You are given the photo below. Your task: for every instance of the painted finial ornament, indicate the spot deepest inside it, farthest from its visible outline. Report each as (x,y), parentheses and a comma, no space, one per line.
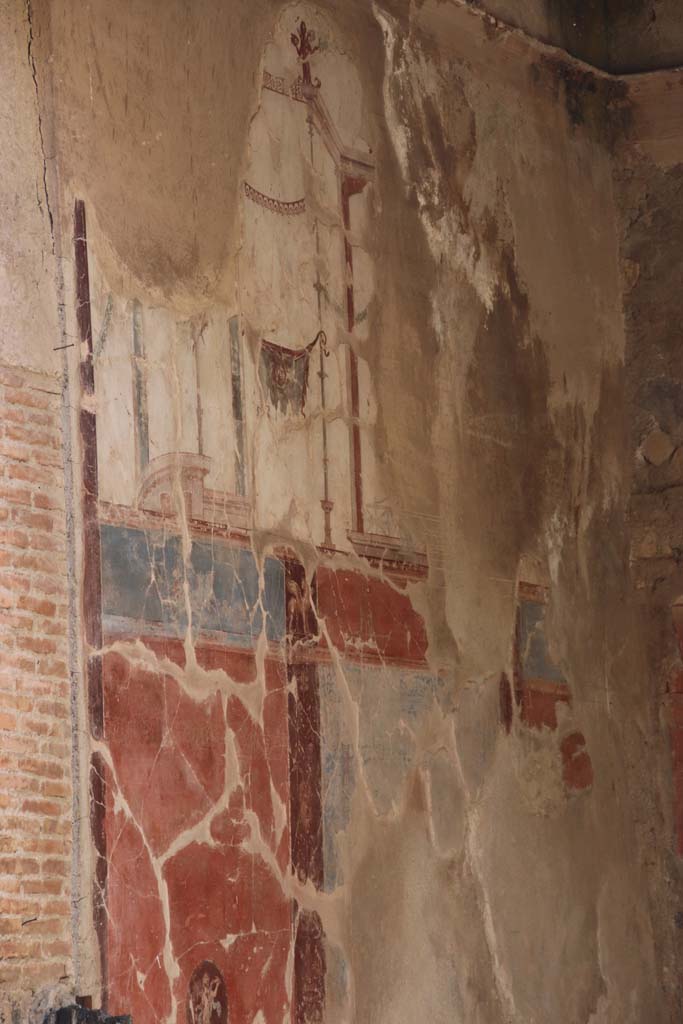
(304,41)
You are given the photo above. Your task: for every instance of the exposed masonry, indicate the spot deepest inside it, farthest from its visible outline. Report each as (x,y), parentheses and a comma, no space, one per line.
(35,784)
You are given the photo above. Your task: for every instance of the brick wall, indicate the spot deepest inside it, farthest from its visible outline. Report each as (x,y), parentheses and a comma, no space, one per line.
(35,729)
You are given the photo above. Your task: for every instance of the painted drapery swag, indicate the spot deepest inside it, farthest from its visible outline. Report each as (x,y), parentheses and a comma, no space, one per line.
(283,373)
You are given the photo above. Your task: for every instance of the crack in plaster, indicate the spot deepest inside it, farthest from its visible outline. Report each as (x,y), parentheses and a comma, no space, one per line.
(34,75)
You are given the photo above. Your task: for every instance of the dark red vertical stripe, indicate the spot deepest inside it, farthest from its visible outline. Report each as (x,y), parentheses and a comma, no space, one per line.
(359,523)
(83,298)
(306,777)
(92,571)
(92,580)
(309,969)
(305,788)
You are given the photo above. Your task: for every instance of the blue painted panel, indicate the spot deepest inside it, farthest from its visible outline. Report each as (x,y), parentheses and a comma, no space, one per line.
(338,769)
(389,697)
(143,582)
(417,693)
(128,586)
(535,657)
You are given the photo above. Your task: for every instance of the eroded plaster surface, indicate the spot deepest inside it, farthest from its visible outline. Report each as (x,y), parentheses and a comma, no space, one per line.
(621,36)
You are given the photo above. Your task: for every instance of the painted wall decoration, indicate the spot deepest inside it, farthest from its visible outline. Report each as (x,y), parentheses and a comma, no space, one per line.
(283,373)
(542,690)
(207,1000)
(222,769)
(540,683)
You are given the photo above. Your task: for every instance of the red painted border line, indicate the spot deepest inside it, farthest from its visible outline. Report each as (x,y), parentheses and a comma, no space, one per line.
(349,187)
(92,571)
(92,581)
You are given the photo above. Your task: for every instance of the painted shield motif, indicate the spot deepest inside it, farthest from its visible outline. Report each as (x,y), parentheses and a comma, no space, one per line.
(207,999)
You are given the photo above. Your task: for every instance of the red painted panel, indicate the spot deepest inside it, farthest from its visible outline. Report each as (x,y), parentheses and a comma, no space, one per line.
(240,666)
(254,768)
(168,750)
(229,827)
(368,615)
(224,895)
(577,767)
(226,904)
(135,933)
(276,739)
(210,892)
(254,969)
(539,707)
(256,972)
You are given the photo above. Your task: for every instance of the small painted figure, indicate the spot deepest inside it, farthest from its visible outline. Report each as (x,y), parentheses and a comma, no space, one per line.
(207,999)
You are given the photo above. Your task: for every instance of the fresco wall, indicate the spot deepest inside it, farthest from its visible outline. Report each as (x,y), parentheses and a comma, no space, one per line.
(332,666)
(220,777)
(357,677)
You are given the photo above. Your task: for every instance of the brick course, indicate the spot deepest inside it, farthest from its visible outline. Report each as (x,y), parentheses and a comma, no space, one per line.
(35,731)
